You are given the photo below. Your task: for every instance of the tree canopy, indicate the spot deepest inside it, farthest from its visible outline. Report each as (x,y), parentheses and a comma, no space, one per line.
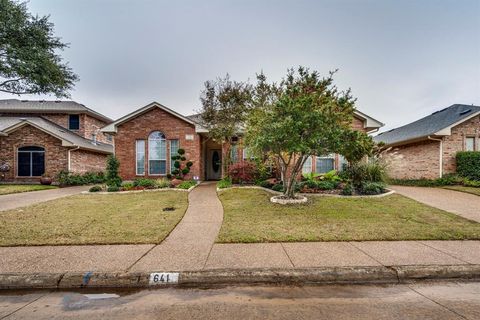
(29,59)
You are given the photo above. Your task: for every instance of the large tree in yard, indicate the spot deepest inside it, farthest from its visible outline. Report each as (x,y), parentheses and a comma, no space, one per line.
(225,107)
(303,115)
(29,60)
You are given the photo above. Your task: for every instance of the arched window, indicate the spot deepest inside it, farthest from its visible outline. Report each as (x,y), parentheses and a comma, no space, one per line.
(157,153)
(31,161)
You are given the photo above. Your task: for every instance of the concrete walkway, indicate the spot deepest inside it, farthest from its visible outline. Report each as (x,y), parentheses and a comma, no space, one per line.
(461,203)
(17,200)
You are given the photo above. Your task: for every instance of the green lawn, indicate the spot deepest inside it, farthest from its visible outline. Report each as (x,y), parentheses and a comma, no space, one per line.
(17,188)
(94,219)
(250,217)
(475,191)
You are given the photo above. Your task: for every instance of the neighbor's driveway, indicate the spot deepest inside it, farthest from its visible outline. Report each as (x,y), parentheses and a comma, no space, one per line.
(461,203)
(17,200)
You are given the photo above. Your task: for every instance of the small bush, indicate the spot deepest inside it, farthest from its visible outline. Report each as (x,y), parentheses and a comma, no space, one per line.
(264,184)
(66,178)
(113,189)
(326,185)
(95,189)
(331,176)
(242,172)
(162,183)
(365,172)
(372,188)
(187,184)
(278,187)
(468,164)
(128,186)
(112,178)
(224,183)
(471,183)
(145,183)
(347,190)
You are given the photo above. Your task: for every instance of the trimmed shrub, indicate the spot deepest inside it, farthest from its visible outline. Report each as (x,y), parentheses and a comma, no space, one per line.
(128,186)
(326,185)
(224,183)
(112,178)
(242,172)
(468,164)
(146,183)
(66,178)
(187,184)
(113,189)
(95,189)
(371,188)
(347,190)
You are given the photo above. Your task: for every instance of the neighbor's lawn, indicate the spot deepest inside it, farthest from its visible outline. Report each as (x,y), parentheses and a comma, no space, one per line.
(94,219)
(250,217)
(471,190)
(17,188)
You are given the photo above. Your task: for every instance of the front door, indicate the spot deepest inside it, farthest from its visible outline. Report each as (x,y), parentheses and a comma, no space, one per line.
(214,164)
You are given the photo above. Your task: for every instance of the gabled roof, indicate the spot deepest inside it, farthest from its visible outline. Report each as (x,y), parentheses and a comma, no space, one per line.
(45,106)
(69,139)
(112,127)
(438,123)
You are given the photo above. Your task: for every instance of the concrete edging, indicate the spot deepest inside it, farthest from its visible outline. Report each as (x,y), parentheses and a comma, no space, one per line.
(203,278)
(145,190)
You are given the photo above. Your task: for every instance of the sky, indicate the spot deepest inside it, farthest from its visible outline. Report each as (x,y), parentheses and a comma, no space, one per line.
(402,59)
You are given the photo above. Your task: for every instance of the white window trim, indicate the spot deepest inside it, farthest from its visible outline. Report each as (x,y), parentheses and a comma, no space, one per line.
(330,156)
(149,153)
(136,157)
(310,158)
(244,154)
(474,143)
(170,152)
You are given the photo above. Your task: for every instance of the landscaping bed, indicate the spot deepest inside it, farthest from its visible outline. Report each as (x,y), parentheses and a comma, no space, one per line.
(472,190)
(18,188)
(134,218)
(249,216)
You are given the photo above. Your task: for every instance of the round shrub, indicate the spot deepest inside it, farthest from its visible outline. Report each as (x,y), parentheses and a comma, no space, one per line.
(113,189)
(372,188)
(181,151)
(189,164)
(95,189)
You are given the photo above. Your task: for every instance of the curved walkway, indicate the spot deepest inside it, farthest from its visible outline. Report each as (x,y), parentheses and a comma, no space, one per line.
(17,200)
(463,204)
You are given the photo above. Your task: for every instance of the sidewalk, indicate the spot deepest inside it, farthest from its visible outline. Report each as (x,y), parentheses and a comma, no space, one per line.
(17,200)
(461,203)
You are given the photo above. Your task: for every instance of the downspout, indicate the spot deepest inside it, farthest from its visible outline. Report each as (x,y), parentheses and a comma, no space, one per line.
(69,162)
(441,153)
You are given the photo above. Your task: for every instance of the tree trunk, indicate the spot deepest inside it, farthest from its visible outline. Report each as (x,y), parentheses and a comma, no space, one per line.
(289,181)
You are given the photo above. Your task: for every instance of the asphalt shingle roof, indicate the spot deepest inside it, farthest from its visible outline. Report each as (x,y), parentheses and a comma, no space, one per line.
(56,130)
(46,106)
(428,125)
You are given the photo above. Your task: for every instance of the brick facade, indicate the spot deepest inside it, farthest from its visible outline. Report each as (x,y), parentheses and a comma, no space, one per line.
(82,161)
(140,127)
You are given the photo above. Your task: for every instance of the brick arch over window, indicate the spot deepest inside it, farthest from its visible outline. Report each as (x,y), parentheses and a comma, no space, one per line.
(157,153)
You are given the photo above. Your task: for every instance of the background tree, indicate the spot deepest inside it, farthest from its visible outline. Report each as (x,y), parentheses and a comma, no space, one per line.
(302,116)
(225,107)
(29,63)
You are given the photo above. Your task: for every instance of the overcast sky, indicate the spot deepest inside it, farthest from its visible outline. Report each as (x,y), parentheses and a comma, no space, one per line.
(402,59)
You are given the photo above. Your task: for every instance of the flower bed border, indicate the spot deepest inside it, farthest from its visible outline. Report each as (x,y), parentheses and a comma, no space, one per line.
(145,190)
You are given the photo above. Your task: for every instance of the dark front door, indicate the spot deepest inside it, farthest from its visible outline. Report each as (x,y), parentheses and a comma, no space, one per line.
(214,164)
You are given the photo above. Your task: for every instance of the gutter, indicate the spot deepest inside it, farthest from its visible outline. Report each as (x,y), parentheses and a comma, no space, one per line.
(441,154)
(70,150)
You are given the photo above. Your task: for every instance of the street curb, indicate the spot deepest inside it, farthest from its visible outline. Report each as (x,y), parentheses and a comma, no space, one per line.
(205,278)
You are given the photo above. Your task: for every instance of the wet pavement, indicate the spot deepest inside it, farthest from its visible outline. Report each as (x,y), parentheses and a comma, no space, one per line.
(415,301)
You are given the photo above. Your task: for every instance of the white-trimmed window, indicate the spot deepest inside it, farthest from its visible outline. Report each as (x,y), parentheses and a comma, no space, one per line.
(140,157)
(234,153)
(324,164)
(470,144)
(247,154)
(157,153)
(307,165)
(174,145)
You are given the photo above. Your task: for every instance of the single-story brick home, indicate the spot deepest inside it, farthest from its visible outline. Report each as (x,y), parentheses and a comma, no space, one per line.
(426,148)
(46,137)
(146,139)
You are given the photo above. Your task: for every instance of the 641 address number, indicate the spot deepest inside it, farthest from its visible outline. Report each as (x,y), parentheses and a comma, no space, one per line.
(163,277)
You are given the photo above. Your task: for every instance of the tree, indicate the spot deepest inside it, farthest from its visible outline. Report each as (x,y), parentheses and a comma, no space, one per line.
(303,115)
(112,178)
(356,145)
(181,165)
(225,107)
(29,63)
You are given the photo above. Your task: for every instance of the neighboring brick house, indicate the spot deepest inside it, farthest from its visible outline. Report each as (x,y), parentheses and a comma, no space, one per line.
(146,139)
(426,148)
(46,137)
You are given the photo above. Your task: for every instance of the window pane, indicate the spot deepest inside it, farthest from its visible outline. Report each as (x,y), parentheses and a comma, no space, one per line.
(470,144)
(324,165)
(140,157)
(38,163)
(173,151)
(24,164)
(74,122)
(157,166)
(307,166)
(233,153)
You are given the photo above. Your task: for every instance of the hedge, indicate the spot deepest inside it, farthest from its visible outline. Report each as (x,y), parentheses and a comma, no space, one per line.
(468,164)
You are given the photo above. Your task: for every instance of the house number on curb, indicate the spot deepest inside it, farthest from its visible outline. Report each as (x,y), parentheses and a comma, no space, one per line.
(163,277)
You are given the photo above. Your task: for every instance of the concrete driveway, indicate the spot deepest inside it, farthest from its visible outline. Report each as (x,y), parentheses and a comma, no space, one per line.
(17,200)
(461,203)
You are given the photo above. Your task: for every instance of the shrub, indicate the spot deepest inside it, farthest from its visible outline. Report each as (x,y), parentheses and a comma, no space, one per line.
(181,169)
(95,189)
(112,178)
(449,180)
(468,164)
(242,172)
(371,188)
(162,183)
(128,186)
(365,172)
(224,183)
(113,189)
(145,183)
(331,176)
(347,190)
(326,185)
(471,183)
(264,184)
(66,178)
(278,187)
(187,184)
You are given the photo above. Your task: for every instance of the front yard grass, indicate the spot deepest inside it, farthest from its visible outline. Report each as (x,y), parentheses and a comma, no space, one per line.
(251,217)
(17,188)
(94,219)
(472,190)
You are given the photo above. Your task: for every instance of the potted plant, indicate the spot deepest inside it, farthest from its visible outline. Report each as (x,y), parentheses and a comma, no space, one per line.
(45,179)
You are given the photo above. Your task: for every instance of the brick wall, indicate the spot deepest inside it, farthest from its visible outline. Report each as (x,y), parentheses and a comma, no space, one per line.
(82,161)
(56,158)
(140,127)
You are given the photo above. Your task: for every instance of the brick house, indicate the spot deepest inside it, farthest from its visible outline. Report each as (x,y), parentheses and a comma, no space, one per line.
(146,139)
(427,147)
(46,137)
